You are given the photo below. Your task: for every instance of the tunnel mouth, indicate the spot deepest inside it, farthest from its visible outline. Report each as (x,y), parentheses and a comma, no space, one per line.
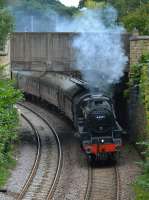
(121,101)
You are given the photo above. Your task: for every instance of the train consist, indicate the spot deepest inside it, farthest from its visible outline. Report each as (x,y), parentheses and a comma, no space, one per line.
(93,115)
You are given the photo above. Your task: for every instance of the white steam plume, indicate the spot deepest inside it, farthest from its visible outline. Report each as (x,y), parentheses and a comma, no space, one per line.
(99,48)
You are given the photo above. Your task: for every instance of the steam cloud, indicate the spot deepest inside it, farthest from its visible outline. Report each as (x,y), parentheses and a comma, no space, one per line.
(99,49)
(100,55)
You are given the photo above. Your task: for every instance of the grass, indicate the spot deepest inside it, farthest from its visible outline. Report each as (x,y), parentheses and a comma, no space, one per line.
(139,77)
(141,192)
(5,169)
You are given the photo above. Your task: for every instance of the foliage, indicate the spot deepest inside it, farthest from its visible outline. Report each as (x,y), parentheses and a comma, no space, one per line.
(2,68)
(93,4)
(144,92)
(8,124)
(138,19)
(8,97)
(6,23)
(134,79)
(141,185)
(81,3)
(132,13)
(1,4)
(124,7)
(4,172)
(41,6)
(140,77)
(8,117)
(39,15)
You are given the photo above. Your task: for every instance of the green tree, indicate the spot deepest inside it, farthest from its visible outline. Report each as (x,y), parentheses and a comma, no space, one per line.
(6,23)
(91,4)
(125,6)
(45,5)
(1,3)
(8,123)
(139,77)
(8,126)
(8,97)
(40,15)
(132,13)
(138,19)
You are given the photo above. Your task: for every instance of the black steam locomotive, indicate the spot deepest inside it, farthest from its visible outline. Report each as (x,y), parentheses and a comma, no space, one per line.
(93,115)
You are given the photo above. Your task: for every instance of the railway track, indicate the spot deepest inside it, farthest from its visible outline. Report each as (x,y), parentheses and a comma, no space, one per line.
(45,174)
(103,183)
(78,180)
(36,162)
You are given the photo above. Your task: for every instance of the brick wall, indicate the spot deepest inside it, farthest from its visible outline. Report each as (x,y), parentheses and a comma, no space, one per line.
(138,46)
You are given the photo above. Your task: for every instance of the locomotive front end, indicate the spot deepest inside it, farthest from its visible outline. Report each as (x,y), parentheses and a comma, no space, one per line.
(101,138)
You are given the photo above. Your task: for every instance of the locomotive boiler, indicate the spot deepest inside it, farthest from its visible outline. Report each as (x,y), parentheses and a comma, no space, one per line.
(92,114)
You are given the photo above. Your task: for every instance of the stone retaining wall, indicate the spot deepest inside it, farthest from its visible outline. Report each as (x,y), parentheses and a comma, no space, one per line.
(138,46)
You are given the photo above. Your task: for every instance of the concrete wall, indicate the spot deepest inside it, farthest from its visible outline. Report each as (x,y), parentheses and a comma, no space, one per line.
(46,51)
(138,46)
(42,51)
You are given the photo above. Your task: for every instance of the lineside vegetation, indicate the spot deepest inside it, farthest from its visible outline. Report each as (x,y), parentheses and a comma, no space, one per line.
(6,23)
(8,97)
(133,14)
(9,121)
(139,79)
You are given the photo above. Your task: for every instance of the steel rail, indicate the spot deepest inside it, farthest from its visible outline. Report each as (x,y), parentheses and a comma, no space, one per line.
(90,180)
(118,189)
(36,162)
(89,183)
(60,160)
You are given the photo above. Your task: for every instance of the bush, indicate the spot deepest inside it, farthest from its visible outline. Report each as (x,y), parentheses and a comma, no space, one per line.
(6,25)
(140,76)
(8,125)
(138,19)
(141,185)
